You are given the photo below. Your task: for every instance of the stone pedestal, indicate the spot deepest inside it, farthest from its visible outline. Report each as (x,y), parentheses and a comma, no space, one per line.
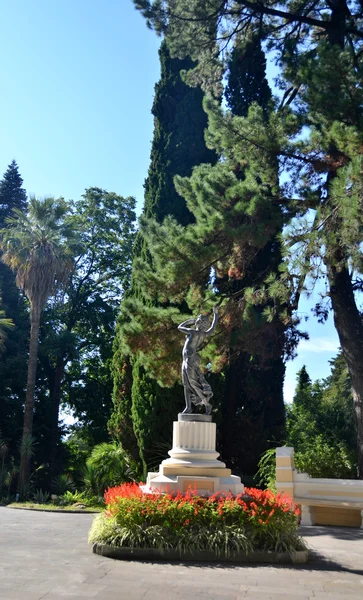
(193,461)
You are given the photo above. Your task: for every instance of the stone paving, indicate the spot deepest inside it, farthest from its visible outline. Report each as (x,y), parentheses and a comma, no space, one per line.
(45,556)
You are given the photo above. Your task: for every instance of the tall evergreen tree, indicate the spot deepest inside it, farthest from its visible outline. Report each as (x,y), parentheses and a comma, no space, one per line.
(178,145)
(247,83)
(253,398)
(12,193)
(14,356)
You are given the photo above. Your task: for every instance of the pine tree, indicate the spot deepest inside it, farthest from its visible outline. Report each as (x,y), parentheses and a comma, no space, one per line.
(253,398)
(178,145)
(14,358)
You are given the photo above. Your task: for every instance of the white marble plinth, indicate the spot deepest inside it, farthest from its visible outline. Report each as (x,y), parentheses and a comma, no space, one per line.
(194,445)
(193,462)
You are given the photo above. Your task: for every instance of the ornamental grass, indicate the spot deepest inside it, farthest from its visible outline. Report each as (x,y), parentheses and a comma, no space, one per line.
(222,523)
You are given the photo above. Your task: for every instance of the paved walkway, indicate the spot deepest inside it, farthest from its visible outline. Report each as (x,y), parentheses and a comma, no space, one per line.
(45,556)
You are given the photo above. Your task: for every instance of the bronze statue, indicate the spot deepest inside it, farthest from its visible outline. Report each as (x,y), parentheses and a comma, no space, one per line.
(196,389)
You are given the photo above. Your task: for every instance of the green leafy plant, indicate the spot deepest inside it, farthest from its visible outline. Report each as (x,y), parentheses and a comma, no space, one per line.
(322,458)
(41,497)
(63,483)
(105,467)
(69,498)
(266,474)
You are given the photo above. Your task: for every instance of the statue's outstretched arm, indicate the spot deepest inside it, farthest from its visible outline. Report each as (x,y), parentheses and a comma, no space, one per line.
(214,322)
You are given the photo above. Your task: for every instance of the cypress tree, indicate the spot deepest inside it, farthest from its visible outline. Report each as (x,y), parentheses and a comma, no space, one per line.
(12,194)
(14,359)
(178,145)
(247,83)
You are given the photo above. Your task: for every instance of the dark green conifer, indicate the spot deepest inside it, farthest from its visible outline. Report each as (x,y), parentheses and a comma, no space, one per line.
(253,398)
(13,364)
(247,81)
(12,194)
(178,145)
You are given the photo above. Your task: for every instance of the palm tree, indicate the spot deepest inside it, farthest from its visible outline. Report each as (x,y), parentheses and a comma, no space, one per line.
(39,247)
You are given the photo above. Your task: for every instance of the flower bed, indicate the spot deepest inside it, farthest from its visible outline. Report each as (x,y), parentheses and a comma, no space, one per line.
(223,523)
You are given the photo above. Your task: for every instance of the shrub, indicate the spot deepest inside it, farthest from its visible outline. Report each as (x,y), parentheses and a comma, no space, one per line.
(317,457)
(69,498)
(63,483)
(323,458)
(41,497)
(222,523)
(266,474)
(104,468)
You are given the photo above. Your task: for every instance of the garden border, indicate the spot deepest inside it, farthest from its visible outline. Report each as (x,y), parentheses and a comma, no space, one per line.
(56,510)
(153,554)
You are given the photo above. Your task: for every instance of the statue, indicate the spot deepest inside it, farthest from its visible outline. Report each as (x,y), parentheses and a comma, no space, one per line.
(196,388)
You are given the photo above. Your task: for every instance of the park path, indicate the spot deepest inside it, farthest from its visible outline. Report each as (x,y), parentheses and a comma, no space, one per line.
(45,556)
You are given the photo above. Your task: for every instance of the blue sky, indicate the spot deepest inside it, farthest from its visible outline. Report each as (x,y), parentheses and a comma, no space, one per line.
(77,84)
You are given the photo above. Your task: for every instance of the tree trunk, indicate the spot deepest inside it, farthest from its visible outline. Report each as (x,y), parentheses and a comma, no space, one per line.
(234,376)
(24,471)
(349,325)
(55,403)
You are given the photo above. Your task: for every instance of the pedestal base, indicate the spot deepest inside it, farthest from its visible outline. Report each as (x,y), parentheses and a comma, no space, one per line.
(193,462)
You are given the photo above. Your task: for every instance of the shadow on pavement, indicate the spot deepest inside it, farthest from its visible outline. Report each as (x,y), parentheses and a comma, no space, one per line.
(317,562)
(340,533)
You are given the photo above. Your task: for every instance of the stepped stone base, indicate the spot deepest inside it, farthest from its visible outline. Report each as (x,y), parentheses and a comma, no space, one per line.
(193,462)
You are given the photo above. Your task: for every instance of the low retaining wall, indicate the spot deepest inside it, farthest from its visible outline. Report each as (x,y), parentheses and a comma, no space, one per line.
(323,501)
(298,557)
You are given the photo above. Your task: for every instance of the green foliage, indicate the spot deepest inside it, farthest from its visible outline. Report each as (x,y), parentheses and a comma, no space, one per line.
(5,324)
(39,246)
(12,193)
(62,484)
(266,473)
(178,145)
(120,425)
(247,83)
(27,446)
(78,449)
(320,427)
(14,352)
(41,497)
(105,467)
(70,498)
(78,325)
(150,418)
(235,222)
(314,136)
(320,423)
(106,222)
(224,254)
(323,458)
